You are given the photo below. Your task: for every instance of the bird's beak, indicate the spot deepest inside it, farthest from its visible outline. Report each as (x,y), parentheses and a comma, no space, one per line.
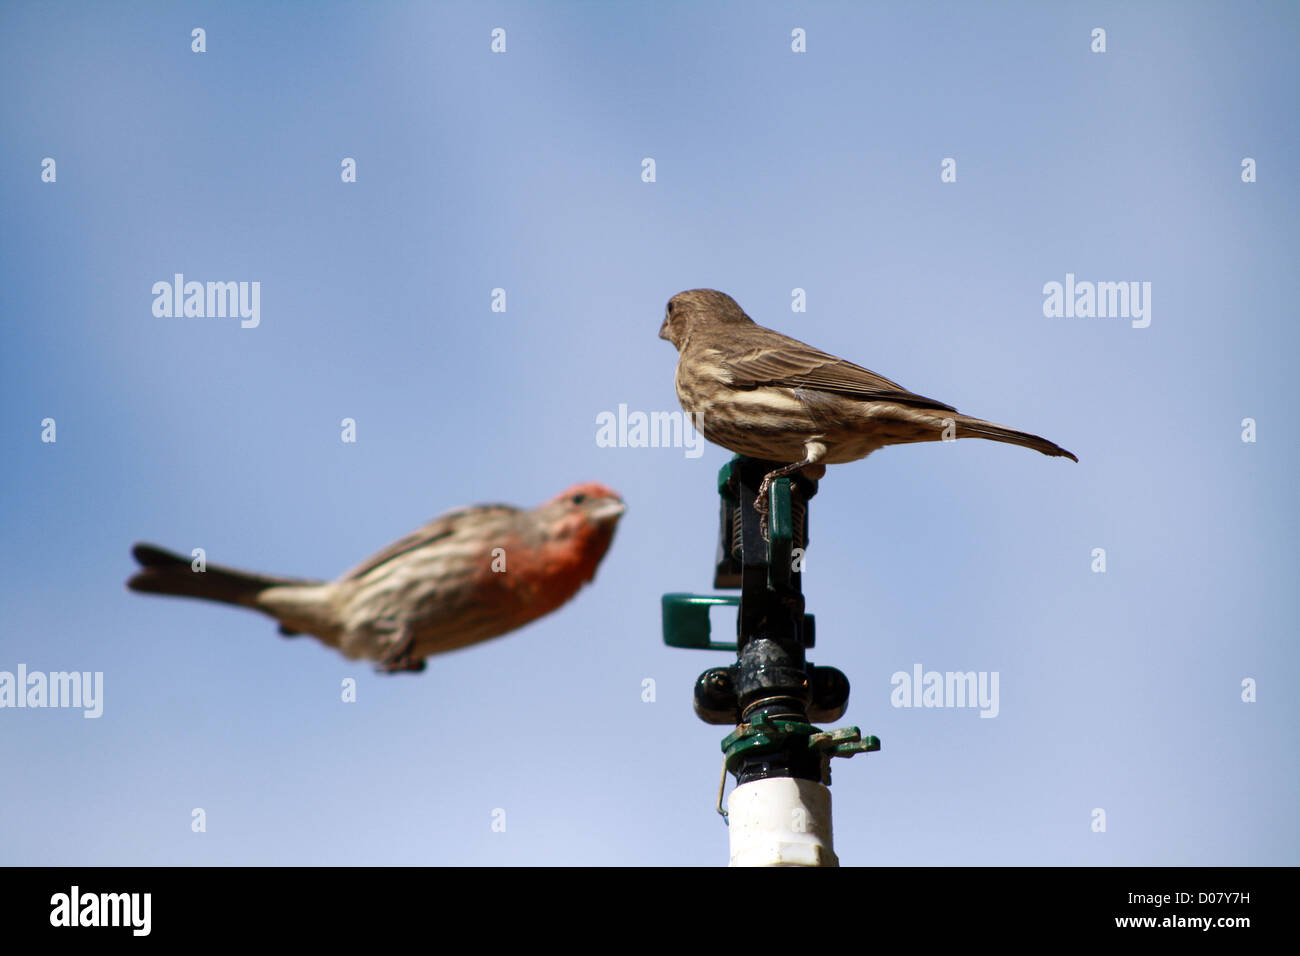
(607,510)
(663,330)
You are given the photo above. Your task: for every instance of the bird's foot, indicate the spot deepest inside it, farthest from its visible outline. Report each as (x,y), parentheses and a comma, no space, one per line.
(761,502)
(400,665)
(810,466)
(397,659)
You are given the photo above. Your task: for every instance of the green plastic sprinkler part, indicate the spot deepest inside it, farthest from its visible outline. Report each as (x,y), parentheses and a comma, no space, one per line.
(772,735)
(780,534)
(725,488)
(686,620)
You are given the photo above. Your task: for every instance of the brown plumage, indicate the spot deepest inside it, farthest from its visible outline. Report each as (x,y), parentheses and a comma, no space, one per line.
(464,577)
(763,394)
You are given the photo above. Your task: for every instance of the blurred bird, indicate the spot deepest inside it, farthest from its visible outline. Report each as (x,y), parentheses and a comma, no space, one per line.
(763,394)
(464,577)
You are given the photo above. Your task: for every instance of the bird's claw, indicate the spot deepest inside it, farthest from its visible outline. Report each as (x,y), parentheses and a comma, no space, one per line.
(761,504)
(400,665)
(398,658)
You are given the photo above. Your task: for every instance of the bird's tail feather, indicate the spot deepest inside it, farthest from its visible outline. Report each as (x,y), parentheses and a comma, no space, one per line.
(978,428)
(164,572)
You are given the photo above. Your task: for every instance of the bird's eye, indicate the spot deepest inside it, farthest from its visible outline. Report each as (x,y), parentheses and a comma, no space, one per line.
(578,499)
(670,308)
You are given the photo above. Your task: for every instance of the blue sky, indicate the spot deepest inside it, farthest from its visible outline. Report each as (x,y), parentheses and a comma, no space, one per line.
(774,171)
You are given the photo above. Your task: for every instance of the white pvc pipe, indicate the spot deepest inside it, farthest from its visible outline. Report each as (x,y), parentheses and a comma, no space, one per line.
(781,821)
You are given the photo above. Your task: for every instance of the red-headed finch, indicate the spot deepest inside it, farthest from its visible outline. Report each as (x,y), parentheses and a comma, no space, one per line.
(464,577)
(763,394)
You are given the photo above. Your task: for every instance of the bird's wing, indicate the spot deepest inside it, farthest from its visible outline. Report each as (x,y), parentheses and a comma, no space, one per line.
(443,526)
(792,364)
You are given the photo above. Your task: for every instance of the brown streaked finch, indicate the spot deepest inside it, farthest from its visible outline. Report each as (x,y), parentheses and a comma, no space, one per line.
(763,394)
(466,576)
